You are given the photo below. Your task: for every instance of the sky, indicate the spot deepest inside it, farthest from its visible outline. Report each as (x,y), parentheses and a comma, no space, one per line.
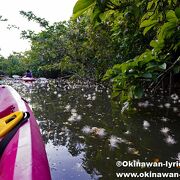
(51,10)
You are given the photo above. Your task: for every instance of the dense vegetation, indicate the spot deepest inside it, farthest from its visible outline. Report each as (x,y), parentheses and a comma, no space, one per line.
(149,34)
(66,48)
(134,43)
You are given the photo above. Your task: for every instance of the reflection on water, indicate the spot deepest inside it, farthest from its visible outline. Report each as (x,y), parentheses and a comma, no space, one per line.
(85,134)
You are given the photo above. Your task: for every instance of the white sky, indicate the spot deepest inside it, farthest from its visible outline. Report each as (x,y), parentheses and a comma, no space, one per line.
(51,10)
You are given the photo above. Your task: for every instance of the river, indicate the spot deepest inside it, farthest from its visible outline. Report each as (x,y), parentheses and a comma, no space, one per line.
(86,136)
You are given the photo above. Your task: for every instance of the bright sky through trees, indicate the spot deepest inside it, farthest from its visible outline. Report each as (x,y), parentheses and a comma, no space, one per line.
(53,11)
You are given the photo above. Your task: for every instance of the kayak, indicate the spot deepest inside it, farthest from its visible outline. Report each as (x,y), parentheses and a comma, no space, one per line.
(28,79)
(24,156)
(16,77)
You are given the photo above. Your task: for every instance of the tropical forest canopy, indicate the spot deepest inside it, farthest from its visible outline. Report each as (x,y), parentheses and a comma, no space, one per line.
(131,43)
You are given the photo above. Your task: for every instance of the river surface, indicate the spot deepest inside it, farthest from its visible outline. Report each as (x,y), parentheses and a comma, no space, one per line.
(86,136)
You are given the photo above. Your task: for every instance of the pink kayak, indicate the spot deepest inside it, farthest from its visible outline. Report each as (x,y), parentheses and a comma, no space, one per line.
(28,79)
(24,157)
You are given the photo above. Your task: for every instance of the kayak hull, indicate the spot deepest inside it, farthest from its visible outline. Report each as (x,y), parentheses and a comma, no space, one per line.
(24,156)
(28,79)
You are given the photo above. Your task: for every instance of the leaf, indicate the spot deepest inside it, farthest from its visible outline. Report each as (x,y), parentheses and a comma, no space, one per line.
(115,94)
(177,12)
(146,16)
(167,30)
(108,75)
(147,29)
(104,16)
(176,69)
(176,46)
(163,66)
(117,68)
(148,22)
(158,45)
(95,14)
(171,16)
(147,75)
(150,5)
(171,2)
(81,6)
(138,92)
(153,43)
(152,67)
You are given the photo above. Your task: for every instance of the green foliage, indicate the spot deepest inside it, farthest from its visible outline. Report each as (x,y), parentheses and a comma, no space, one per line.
(136,25)
(81,6)
(31,16)
(3,19)
(13,64)
(72,47)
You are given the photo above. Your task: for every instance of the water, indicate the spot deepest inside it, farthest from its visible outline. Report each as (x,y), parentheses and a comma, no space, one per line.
(85,133)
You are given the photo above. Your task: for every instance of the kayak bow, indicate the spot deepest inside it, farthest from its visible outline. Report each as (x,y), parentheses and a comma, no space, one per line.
(24,157)
(28,79)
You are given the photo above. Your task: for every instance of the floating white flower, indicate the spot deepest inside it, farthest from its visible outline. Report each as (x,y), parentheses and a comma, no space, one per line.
(143,104)
(71,119)
(133,151)
(73,111)
(59,95)
(146,124)
(174,97)
(178,157)
(68,107)
(98,131)
(113,141)
(93,98)
(127,132)
(86,129)
(164,119)
(79,117)
(164,130)
(175,109)
(167,105)
(170,140)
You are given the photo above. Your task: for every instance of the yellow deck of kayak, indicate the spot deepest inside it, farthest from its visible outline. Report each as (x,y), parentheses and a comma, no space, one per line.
(9,122)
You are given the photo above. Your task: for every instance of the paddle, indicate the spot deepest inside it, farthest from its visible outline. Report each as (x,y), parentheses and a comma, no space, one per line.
(7,138)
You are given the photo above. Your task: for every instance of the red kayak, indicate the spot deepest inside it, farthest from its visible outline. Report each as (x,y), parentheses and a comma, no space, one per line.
(28,79)
(24,157)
